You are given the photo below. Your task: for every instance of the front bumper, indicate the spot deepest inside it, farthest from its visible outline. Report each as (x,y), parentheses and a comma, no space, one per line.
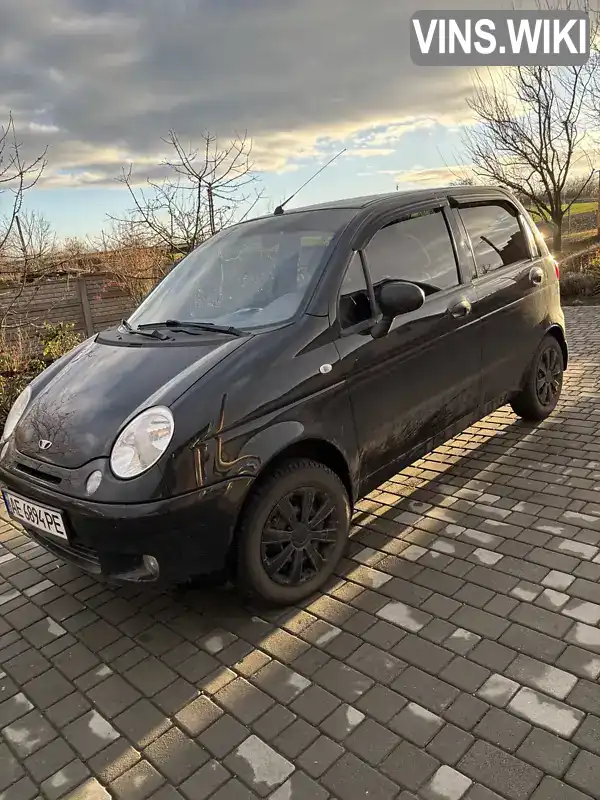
(189,535)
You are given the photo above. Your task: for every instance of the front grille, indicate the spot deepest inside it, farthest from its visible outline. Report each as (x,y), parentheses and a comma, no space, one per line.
(38,473)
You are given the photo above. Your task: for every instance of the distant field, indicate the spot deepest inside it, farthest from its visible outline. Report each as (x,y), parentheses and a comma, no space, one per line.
(583,207)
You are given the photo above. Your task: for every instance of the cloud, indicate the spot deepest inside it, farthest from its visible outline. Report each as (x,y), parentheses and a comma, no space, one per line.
(100,83)
(435,176)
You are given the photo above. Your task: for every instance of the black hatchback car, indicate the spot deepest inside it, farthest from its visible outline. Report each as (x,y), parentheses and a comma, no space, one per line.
(277,374)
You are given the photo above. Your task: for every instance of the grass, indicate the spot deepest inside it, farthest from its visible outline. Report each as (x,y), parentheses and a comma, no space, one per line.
(582,207)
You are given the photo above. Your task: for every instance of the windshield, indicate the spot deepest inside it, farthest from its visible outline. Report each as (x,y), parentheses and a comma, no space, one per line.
(250,275)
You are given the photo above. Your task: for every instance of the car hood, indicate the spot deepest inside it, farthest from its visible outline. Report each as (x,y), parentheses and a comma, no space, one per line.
(81,406)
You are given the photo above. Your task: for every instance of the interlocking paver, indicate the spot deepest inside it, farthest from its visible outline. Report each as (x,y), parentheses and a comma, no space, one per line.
(138,783)
(552,789)
(261,767)
(549,753)
(502,729)
(198,715)
(10,769)
(538,675)
(49,759)
(416,724)
(90,734)
(466,711)
(205,781)
(296,738)
(223,735)
(500,771)
(273,722)
(585,774)
(409,766)
(450,744)
(113,761)
(455,655)
(142,723)
(75,774)
(175,755)
(350,779)
(28,734)
(546,712)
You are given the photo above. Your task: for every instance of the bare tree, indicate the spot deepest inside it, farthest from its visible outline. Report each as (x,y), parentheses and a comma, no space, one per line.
(31,243)
(135,264)
(530,133)
(466,181)
(205,189)
(18,174)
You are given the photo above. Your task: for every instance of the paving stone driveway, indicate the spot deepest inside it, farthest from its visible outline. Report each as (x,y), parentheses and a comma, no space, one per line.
(457,655)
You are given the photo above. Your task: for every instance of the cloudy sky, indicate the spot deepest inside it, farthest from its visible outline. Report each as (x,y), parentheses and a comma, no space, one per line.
(101,81)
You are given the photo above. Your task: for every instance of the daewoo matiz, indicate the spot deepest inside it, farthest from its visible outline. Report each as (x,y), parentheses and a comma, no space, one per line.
(276,375)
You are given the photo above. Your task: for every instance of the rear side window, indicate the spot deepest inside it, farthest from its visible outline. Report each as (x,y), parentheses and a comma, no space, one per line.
(496,236)
(416,249)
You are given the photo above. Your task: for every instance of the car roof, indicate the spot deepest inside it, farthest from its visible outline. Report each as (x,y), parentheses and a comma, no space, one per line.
(407,196)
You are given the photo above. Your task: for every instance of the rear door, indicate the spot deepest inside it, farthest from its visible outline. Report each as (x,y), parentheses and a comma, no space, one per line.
(424,375)
(510,279)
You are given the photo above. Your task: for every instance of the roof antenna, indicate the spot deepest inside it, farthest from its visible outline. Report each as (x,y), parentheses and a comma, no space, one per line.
(279,210)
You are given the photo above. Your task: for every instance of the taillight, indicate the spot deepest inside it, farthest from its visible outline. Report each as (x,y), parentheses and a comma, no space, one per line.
(557,269)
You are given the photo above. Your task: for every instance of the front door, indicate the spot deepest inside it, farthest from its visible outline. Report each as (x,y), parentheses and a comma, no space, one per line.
(424,375)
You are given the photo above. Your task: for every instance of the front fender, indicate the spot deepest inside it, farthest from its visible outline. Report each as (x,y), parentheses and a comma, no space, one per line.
(258,450)
(248,452)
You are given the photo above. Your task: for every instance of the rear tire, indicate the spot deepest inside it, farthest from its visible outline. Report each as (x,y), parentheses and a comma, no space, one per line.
(293,533)
(543,384)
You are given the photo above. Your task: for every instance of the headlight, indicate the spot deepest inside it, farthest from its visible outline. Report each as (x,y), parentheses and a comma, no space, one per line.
(16,412)
(142,442)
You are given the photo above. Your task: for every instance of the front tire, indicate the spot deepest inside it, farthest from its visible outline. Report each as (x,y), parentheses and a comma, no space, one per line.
(293,533)
(543,384)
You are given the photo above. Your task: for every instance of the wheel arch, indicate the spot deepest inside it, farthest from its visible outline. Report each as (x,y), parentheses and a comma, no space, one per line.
(558,333)
(315,449)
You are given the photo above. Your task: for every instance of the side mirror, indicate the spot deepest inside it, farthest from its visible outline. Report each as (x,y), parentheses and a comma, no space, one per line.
(398,297)
(395,298)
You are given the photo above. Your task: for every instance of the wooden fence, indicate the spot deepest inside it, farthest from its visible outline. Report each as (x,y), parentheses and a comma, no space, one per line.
(91,302)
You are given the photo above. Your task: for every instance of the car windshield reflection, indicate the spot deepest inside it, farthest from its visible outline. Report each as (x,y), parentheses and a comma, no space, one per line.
(251,275)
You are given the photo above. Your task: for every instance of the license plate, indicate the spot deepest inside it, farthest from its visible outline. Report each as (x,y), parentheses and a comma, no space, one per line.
(45,519)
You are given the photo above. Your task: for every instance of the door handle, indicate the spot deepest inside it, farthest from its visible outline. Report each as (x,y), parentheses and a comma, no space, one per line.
(461,309)
(536,275)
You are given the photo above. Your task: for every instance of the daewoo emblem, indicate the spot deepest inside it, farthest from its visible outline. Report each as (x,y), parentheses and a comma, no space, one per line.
(44,444)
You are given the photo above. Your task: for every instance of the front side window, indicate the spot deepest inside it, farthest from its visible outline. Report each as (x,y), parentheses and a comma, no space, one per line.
(496,236)
(250,275)
(416,249)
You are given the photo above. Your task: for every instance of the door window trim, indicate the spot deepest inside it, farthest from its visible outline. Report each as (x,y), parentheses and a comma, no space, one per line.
(532,245)
(366,324)
(390,218)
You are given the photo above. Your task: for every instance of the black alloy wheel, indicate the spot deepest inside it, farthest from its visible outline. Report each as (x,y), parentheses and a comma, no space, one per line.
(299,536)
(549,377)
(292,533)
(543,383)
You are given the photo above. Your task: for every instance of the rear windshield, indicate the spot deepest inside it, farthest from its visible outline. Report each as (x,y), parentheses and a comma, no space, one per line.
(250,275)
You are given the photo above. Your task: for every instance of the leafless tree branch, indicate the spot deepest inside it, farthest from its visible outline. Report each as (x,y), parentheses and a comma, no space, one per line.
(530,134)
(205,189)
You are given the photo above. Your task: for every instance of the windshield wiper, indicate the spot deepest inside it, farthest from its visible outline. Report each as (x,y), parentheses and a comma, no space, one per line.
(201,326)
(149,334)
